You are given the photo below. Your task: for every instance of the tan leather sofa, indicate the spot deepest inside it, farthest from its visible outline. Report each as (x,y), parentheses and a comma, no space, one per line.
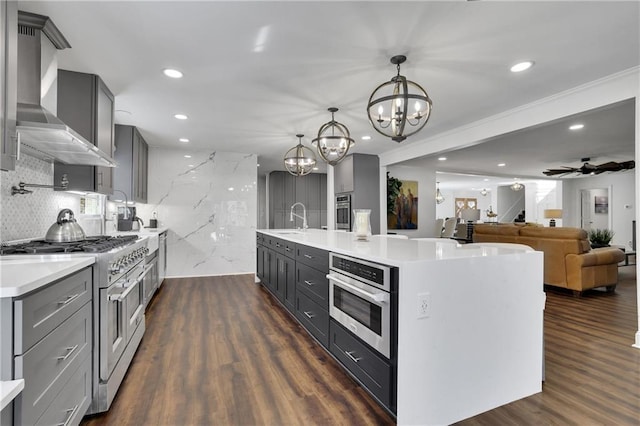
(569,260)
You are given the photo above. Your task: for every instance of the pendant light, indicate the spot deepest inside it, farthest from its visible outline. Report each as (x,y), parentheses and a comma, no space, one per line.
(333,141)
(439,196)
(516,186)
(299,160)
(390,104)
(484,192)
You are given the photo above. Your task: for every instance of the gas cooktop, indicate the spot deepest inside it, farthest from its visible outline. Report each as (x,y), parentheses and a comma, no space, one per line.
(99,244)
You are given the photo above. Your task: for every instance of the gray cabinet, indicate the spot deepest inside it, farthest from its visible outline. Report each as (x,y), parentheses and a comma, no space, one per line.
(359,175)
(86,105)
(8,84)
(286,189)
(312,291)
(51,347)
(132,154)
(162,257)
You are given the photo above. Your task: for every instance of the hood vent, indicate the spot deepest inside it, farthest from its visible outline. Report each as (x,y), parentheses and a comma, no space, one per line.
(42,134)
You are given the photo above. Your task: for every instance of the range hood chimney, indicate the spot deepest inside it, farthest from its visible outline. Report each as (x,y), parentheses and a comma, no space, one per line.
(42,134)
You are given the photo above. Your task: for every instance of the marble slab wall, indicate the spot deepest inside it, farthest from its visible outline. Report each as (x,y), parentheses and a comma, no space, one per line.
(26,216)
(209,204)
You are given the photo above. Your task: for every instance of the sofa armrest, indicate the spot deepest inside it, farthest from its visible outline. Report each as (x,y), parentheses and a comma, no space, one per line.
(599,256)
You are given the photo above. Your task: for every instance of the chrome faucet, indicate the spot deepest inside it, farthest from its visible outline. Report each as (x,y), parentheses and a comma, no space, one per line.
(303,217)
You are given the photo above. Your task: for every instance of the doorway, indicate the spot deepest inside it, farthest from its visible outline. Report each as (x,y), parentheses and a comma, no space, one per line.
(594,209)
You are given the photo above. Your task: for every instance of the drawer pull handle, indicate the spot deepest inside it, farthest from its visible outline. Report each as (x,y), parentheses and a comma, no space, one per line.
(309,283)
(353,358)
(72,412)
(69,299)
(308,256)
(309,314)
(69,352)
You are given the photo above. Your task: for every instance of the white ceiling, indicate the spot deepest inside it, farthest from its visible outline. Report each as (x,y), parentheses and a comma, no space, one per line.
(319,54)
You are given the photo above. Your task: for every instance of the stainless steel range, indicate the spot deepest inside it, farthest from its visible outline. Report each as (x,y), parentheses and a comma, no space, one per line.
(118,303)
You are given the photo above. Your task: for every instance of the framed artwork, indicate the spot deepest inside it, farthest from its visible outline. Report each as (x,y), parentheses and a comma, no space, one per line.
(465,203)
(405,207)
(601,204)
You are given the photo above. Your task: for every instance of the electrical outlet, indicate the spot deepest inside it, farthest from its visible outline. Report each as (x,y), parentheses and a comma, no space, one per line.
(424,305)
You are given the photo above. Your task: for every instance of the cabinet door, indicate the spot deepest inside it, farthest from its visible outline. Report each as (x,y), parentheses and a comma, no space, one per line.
(302,188)
(135,165)
(260,262)
(276,191)
(8,84)
(289,284)
(343,175)
(104,134)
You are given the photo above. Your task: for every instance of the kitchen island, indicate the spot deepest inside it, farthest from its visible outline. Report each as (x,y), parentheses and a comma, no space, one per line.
(476,345)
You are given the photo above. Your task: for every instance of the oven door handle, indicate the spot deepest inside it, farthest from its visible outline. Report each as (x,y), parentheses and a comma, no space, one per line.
(129,288)
(373,297)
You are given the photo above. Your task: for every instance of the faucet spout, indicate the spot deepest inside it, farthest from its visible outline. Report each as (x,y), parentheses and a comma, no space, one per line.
(292,214)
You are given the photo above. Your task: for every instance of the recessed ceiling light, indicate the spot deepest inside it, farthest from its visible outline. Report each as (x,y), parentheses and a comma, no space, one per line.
(230,188)
(189,165)
(366,138)
(172,73)
(315,168)
(181,116)
(501,164)
(577,126)
(187,156)
(486,180)
(185,140)
(522,66)
(442,158)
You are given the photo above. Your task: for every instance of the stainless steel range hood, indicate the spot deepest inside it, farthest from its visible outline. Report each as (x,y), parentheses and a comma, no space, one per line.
(41,133)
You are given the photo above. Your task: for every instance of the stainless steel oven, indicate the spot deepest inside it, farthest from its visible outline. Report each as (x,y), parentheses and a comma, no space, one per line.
(360,298)
(343,212)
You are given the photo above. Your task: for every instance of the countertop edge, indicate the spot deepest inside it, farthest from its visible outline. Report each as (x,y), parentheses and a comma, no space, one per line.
(9,390)
(74,265)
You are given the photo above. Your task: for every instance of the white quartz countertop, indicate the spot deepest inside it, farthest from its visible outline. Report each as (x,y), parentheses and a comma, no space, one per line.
(9,390)
(390,250)
(20,274)
(141,232)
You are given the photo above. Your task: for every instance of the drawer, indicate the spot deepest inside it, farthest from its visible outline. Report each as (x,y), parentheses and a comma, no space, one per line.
(275,244)
(73,401)
(289,249)
(314,257)
(49,364)
(40,312)
(313,318)
(259,238)
(365,364)
(313,283)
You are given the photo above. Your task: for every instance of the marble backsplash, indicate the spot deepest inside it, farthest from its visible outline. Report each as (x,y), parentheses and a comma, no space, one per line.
(25,216)
(209,204)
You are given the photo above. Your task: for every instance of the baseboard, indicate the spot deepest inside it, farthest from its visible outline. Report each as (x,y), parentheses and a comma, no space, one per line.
(637,344)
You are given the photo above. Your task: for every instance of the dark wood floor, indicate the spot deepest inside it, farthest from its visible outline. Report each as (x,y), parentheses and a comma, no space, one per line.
(222,351)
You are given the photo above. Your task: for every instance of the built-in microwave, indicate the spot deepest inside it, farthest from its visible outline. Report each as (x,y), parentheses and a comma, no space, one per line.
(343,212)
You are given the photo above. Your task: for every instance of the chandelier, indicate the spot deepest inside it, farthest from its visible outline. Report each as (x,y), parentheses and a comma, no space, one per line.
(333,141)
(516,186)
(439,196)
(389,105)
(299,160)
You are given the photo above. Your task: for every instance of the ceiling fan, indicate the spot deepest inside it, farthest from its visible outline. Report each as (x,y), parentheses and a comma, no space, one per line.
(592,169)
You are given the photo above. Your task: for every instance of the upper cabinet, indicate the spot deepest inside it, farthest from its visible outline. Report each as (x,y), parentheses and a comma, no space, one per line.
(132,154)
(8,84)
(86,104)
(286,189)
(354,171)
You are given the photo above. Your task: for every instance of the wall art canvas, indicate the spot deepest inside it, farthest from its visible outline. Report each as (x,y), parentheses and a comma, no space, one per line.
(405,207)
(601,204)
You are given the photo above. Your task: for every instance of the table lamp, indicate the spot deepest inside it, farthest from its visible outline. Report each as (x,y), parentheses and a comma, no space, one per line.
(553,214)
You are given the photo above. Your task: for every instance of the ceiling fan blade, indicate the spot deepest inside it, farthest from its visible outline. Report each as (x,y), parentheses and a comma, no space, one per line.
(611,166)
(554,172)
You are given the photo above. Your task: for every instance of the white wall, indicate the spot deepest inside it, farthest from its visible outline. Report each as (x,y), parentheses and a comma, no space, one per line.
(622,208)
(426,179)
(211,226)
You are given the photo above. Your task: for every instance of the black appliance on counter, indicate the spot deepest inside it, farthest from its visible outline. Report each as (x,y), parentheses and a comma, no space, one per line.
(126,216)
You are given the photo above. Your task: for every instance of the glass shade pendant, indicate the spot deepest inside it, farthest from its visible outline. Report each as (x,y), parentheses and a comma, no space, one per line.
(439,196)
(516,186)
(299,160)
(484,192)
(400,107)
(333,141)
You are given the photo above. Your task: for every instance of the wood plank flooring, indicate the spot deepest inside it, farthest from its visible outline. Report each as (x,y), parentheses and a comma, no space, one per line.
(221,351)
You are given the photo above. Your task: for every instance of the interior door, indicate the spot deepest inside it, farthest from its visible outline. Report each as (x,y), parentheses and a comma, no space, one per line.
(585,209)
